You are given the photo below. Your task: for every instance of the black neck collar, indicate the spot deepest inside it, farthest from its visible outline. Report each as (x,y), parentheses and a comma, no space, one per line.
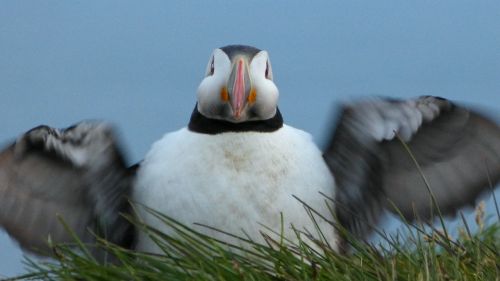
(204,125)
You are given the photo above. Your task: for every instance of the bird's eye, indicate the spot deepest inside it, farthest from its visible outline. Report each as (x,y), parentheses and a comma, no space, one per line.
(267,69)
(212,67)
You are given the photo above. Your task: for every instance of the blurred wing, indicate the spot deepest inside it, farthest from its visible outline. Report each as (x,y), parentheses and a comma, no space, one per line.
(77,174)
(457,150)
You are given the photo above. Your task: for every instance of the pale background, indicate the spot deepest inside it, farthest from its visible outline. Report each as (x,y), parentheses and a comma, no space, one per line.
(138,65)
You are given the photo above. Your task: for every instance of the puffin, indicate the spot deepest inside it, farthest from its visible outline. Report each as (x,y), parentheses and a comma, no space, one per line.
(238,168)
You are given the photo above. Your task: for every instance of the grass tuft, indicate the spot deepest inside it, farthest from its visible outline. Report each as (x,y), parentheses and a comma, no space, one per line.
(428,254)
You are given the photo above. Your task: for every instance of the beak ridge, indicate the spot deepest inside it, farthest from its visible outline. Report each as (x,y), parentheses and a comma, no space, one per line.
(239,86)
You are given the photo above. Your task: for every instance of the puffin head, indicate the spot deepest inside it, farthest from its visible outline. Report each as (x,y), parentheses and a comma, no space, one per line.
(238,85)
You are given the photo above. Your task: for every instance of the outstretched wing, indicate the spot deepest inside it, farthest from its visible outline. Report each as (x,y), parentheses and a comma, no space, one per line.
(458,152)
(77,174)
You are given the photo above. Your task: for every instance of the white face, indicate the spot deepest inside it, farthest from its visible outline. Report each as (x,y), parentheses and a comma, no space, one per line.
(239,90)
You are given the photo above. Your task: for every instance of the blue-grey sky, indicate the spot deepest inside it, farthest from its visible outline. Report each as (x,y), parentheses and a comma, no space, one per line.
(138,64)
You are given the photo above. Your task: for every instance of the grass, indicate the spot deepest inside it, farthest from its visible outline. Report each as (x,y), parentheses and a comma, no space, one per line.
(425,254)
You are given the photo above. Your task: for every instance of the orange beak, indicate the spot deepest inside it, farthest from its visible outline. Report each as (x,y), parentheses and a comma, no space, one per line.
(239,87)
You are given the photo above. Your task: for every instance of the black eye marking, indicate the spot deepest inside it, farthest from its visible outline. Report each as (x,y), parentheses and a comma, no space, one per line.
(212,67)
(267,69)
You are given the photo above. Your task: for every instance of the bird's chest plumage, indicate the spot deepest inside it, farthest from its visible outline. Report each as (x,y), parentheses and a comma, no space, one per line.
(234,181)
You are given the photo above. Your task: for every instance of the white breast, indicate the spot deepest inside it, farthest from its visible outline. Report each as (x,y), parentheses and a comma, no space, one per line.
(234,181)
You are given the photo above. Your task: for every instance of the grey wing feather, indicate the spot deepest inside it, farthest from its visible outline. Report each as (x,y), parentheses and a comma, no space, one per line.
(458,151)
(77,174)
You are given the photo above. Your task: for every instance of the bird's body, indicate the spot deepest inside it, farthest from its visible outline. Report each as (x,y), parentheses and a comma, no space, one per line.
(235,181)
(237,168)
